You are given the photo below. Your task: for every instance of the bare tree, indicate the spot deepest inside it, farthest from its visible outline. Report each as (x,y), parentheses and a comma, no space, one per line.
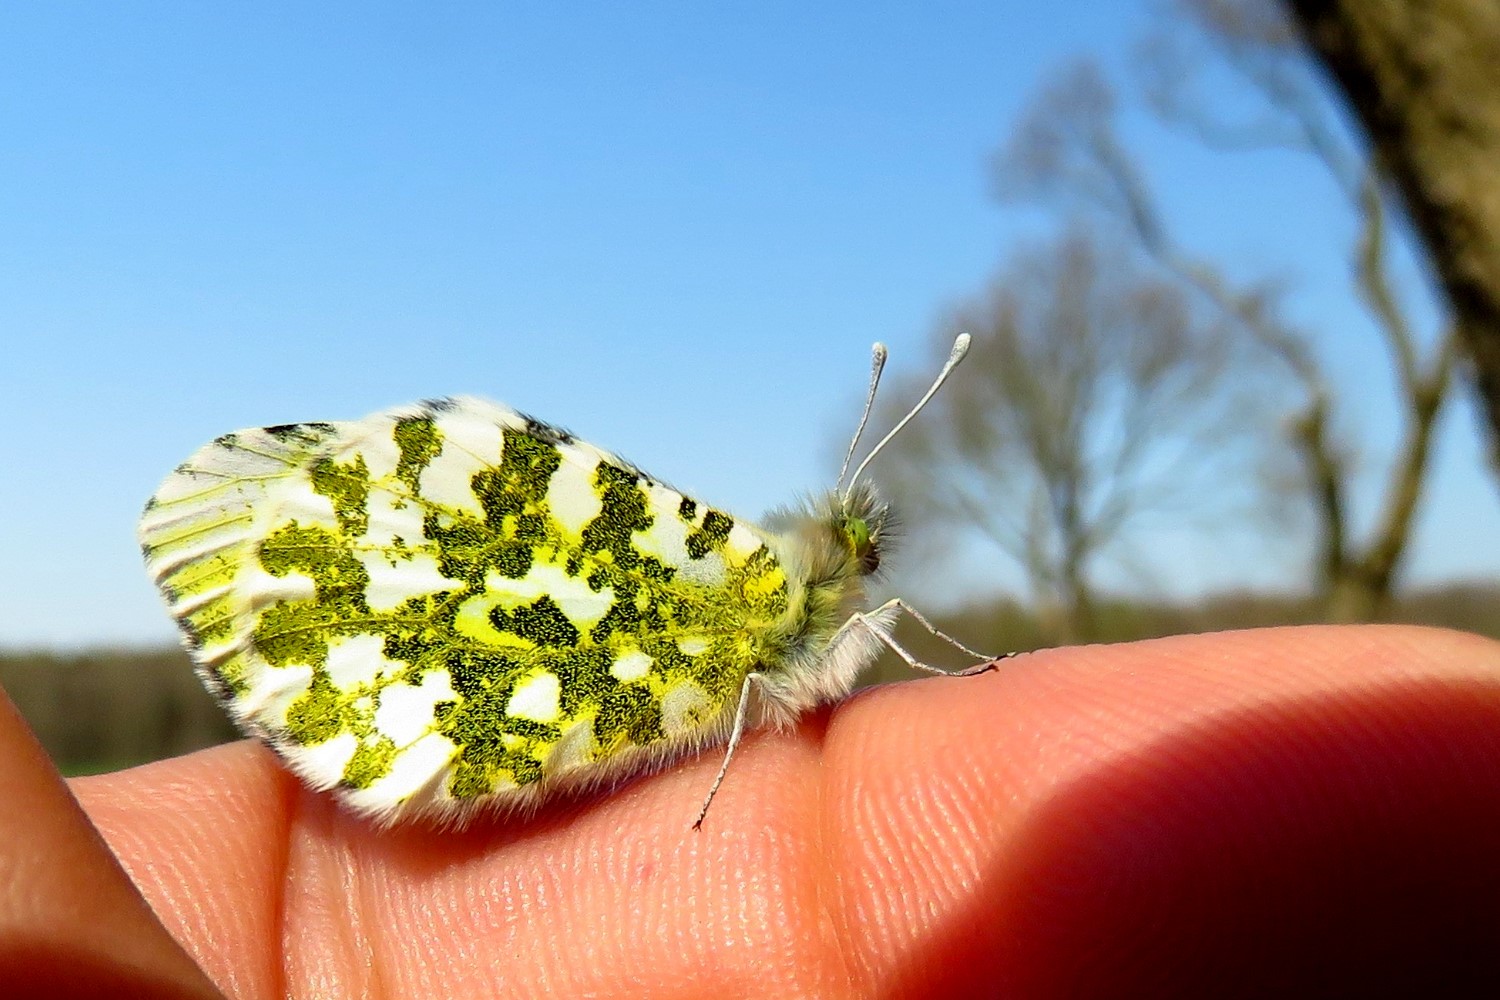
(1069,145)
(1425,80)
(1093,398)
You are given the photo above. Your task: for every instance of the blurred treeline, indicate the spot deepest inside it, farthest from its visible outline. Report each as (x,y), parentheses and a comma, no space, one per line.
(103,710)
(1010,626)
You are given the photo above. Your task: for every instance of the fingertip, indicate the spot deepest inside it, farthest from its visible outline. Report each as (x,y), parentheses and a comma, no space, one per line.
(1091,817)
(71,922)
(205,838)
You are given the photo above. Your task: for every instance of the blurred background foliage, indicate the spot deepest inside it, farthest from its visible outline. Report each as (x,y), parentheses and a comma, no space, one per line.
(108,709)
(1122,380)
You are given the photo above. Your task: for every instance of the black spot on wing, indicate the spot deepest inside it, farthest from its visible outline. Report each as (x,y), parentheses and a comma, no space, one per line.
(418,441)
(547,432)
(513,497)
(583,674)
(292,434)
(631,711)
(541,622)
(474,672)
(622,511)
(711,536)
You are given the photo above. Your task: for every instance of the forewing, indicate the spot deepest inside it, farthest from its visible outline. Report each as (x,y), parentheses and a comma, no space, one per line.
(451,603)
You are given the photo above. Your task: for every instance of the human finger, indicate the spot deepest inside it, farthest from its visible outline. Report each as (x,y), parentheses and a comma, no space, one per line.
(922,846)
(71,922)
(1231,814)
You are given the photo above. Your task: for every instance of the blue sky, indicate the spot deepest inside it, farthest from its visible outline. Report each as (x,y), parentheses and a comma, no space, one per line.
(673,228)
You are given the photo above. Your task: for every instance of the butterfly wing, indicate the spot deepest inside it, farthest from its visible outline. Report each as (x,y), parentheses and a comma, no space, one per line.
(452,604)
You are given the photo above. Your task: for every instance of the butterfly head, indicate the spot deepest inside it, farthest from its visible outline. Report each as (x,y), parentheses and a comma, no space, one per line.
(863,524)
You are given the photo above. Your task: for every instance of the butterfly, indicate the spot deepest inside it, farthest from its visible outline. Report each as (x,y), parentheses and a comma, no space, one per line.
(450,606)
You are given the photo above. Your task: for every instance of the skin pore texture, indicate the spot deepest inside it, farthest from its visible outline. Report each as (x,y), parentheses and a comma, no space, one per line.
(1230,814)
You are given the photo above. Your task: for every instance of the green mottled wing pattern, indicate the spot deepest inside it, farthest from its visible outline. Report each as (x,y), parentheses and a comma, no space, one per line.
(451,603)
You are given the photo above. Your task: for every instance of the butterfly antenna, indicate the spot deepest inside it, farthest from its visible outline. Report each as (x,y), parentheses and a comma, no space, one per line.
(960,348)
(877,365)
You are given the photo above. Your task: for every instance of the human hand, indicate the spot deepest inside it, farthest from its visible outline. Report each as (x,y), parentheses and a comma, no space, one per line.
(1239,813)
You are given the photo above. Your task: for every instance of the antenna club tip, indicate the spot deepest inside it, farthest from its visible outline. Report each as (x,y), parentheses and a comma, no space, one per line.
(961,345)
(879,350)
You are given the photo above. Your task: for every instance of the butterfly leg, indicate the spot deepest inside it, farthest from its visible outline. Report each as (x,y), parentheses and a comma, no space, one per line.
(873,622)
(740,716)
(921,620)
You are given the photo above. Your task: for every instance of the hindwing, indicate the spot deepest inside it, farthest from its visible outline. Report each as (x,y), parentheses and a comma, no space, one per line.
(452,602)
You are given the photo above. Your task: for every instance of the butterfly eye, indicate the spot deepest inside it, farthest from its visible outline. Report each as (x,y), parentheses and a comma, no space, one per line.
(861,541)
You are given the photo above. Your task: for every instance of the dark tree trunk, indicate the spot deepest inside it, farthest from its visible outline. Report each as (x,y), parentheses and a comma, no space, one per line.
(1424,77)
